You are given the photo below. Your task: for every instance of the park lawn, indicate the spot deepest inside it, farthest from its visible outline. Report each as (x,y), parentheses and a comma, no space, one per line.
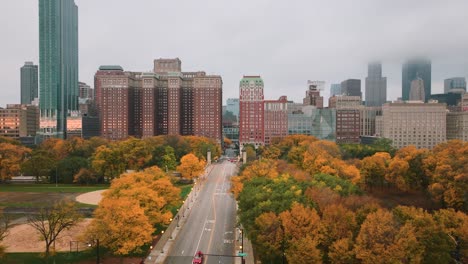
(185,190)
(51,188)
(36,258)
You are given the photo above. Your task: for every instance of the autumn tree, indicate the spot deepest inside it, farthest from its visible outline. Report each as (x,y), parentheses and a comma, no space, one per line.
(447,167)
(134,151)
(107,162)
(151,189)
(374,169)
(300,220)
(51,221)
(121,225)
(85,176)
(190,166)
(304,250)
(11,156)
(337,223)
(375,241)
(268,236)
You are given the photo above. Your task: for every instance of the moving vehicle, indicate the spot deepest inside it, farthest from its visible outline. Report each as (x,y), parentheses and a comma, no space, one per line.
(198,258)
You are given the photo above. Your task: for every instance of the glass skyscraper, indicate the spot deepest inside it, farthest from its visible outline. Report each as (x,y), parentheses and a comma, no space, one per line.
(58,64)
(376,85)
(412,69)
(29,82)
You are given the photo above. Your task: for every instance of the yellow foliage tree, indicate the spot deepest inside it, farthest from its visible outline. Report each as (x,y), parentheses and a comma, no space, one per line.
(120,225)
(304,250)
(152,190)
(190,166)
(299,221)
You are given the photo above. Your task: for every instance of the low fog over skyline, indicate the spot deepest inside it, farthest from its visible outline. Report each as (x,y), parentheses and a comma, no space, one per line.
(287,43)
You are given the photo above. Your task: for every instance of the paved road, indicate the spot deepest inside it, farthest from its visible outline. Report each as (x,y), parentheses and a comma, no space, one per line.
(210,226)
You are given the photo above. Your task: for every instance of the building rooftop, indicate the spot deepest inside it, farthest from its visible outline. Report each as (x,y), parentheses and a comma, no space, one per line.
(110,68)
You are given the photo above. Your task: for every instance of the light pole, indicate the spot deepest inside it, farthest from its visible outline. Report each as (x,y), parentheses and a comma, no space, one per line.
(242,245)
(97,250)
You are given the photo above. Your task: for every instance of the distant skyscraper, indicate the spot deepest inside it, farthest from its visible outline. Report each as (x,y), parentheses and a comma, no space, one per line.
(455,85)
(335,89)
(376,85)
(29,82)
(417,90)
(251,111)
(412,69)
(233,106)
(58,61)
(351,87)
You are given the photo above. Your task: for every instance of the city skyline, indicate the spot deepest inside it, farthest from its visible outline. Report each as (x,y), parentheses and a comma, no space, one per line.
(280,51)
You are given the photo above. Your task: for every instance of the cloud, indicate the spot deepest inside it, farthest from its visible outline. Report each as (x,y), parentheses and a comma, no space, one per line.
(286,42)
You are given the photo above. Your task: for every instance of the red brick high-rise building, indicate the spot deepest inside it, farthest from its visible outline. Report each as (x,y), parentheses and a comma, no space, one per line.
(251,111)
(276,119)
(164,102)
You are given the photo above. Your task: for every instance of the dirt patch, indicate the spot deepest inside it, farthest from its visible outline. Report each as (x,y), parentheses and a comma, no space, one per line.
(24,238)
(35,198)
(90,197)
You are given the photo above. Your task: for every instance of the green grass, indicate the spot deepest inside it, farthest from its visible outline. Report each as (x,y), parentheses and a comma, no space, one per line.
(35,258)
(50,188)
(185,190)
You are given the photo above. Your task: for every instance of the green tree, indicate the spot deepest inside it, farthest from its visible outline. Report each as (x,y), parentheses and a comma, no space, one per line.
(168,159)
(40,163)
(108,163)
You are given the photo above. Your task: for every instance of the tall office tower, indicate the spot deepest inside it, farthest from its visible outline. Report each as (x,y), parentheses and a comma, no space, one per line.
(164,102)
(376,85)
(455,85)
(251,111)
(414,123)
(233,106)
(417,90)
(412,69)
(351,87)
(276,119)
(29,83)
(58,64)
(313,94)
(335,89)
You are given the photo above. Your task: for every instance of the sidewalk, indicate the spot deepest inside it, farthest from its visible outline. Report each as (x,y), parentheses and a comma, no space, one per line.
(248,249)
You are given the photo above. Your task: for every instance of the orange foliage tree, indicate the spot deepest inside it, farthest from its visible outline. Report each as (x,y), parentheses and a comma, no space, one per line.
(190,166)
(11,157)
(120,225)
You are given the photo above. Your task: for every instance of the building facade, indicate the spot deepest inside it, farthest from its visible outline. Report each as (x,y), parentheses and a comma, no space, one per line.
(29,83)
(455,85)
(457,125)
(320,123)
(376,85)
(251,111)
(351,87)
(19,120)
(164,102)
(58,64)
(411,70)
(313,94)
(414,123)
(417,90)
(276,119)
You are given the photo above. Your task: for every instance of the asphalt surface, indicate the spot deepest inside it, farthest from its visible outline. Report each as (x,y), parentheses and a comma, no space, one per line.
(210,224)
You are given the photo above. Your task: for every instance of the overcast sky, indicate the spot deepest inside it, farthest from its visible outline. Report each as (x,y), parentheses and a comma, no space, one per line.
(286,42)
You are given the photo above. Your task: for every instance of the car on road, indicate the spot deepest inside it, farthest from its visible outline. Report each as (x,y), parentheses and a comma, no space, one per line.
(198,258)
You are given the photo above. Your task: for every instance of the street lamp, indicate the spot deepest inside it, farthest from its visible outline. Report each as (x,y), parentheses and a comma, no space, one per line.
(97,249)
(242,244)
